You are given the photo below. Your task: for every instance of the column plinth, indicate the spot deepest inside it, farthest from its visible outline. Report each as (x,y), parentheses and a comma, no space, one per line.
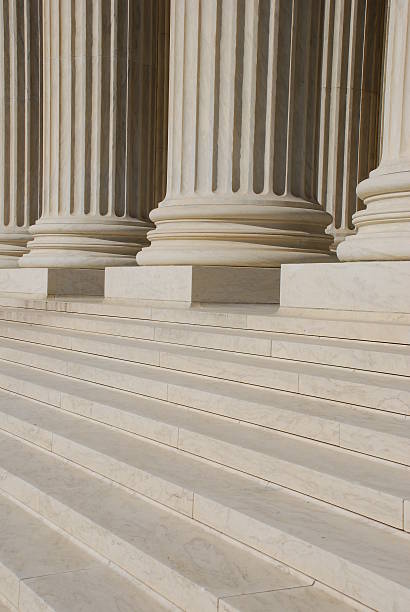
(383,228)
(243,137)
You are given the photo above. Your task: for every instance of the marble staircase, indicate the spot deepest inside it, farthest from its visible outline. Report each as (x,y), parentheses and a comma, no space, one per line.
(158,457)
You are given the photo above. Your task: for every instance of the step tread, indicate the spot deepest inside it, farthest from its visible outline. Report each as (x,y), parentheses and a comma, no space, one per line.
(358,484)
(389,478)
(288,373)
(303,599)
(392,327)
(392,424)
(371,432)
(303,525)
(229,334)
(370,356)
(56,570)
(211,564)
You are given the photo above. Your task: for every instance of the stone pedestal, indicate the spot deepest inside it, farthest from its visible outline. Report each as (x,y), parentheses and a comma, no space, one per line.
(47,282)
(243,137)
(365,286)
(192,284)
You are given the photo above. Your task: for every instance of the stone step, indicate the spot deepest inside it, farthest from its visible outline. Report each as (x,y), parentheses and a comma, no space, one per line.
(381,391)
(187,563)
(371,326)
(303,599)
(361,559)
(168,342)
(42,569)
(382,435)
(375,489)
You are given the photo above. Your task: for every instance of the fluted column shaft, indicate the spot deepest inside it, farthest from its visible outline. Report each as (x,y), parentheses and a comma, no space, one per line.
(20,121)
(243,136)
(350,108)
(99,132)
(383,229)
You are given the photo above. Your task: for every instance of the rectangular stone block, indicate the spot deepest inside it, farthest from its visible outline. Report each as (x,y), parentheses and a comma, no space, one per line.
(216,284)
(358,286)
(52,281)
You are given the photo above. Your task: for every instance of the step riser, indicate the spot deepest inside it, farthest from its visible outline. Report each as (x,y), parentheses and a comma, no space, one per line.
(201,507)
(358,439)
(9,585)
(301,323)
(138,330)
(350,496)
(56,576)
(160,578)
(327,568)
(144,568)
(366,395)
(352,358)
(353,497)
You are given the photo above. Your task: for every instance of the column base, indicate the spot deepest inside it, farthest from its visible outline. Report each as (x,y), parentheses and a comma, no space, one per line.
(44,282)
(252,231)
(217,284)
(82,243)
(362,286)
(12,248)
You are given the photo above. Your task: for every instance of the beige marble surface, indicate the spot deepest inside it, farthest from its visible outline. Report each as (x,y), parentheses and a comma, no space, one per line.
(351,481)
(361,558)
(51,282)
(187,563)
(304,599)
(29,549)
(194,284)
(91,590)
(20,126)
(384,286)
(240,189)
(103,166)
(383,227)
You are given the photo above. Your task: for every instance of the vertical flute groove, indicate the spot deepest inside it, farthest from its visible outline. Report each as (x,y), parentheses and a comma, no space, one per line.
(20,142)
(351,93)
(101,96)
(244,137)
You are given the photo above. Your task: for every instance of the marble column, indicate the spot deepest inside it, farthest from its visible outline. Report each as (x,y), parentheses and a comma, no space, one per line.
(20,126)
(350,106)
(243,138)
(99,132)
(383,228)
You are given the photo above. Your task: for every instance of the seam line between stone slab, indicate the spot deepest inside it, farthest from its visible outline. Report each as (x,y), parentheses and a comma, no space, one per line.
(300,377)
(290,588)
(78,569)
(59,405)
